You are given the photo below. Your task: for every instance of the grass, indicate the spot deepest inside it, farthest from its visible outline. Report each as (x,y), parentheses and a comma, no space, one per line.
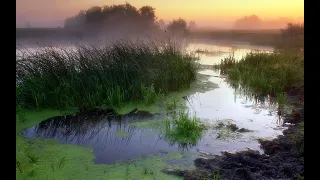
(171,103)
(110,75)
(266,73)
(184,130)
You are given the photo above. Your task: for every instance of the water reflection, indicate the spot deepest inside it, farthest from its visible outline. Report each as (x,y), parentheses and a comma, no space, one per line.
(113,138)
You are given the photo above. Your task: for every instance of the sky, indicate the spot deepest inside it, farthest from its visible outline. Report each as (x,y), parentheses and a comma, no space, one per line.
(206,13)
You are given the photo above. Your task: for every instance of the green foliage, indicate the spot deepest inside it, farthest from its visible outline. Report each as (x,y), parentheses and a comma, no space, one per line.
(266,73)
(110,75)
(18,163)
(184,130)
(97,17)
(171,103)
(21,114)
(149,94)
(292,37)
(282,99)
(178,26)
(216,176)
(32,156)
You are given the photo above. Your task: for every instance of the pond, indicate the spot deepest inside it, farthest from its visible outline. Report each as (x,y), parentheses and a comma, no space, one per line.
(135,135)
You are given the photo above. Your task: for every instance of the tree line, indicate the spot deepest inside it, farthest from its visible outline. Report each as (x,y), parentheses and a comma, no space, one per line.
(123,18)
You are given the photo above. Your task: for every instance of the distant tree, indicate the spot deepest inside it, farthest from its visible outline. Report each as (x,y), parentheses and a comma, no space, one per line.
(77,21)
(192,25)
(94,16)
(293,30)
(123,18)
(249,22)
(161,24)
(292,37)
(178,26)
(148,13)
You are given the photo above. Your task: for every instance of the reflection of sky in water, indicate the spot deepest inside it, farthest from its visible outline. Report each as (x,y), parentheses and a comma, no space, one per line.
(238,51)
(217,104)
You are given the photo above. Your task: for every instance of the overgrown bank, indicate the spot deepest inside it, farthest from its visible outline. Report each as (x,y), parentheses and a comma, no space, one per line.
(279,75)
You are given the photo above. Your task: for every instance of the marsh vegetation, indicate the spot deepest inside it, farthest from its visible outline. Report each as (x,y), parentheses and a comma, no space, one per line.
(111,75)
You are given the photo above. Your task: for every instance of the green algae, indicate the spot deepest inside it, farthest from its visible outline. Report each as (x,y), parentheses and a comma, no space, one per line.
(122,133)
(63,161)
(175,156)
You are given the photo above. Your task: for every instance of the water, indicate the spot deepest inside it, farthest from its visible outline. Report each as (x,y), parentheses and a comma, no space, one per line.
(223,51)
(113,140)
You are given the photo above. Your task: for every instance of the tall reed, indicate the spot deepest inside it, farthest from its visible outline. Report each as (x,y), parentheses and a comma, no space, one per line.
(90,76)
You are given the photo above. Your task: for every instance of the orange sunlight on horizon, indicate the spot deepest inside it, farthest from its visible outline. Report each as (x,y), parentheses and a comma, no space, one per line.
(204,12)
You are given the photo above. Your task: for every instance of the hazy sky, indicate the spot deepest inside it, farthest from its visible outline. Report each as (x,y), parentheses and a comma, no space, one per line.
(205,12)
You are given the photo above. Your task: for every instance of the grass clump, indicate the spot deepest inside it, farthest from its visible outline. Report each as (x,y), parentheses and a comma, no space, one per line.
(171,103)
(93,76)
(184,129)
(266,73)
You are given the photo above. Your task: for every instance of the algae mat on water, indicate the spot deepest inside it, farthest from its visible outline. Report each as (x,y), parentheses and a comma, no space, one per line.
(48,159)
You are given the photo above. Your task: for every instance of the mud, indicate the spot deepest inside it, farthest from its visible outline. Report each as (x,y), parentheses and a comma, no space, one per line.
(283,157)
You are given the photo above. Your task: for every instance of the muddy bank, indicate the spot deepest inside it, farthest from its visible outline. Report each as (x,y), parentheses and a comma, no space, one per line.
(283,158)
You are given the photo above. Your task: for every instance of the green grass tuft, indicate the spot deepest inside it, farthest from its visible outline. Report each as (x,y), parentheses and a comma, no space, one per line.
(184,130)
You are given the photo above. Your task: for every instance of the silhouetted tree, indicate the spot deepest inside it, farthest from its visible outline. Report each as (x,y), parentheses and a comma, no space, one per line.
(249,22)
(161,24)
(192,25)
(77,21)
(178,26)
(293,37)
(123,17)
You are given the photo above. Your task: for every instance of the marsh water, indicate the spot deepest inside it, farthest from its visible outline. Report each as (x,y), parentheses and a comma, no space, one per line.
(137,135)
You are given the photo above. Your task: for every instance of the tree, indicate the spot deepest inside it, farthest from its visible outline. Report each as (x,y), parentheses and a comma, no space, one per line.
(178,26)
(120,18)
(192,25)
(161,24)
(94,15)
(249,22)
(293,37)
(77,21)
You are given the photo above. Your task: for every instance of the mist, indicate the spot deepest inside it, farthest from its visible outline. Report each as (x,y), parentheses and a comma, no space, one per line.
(125,21)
